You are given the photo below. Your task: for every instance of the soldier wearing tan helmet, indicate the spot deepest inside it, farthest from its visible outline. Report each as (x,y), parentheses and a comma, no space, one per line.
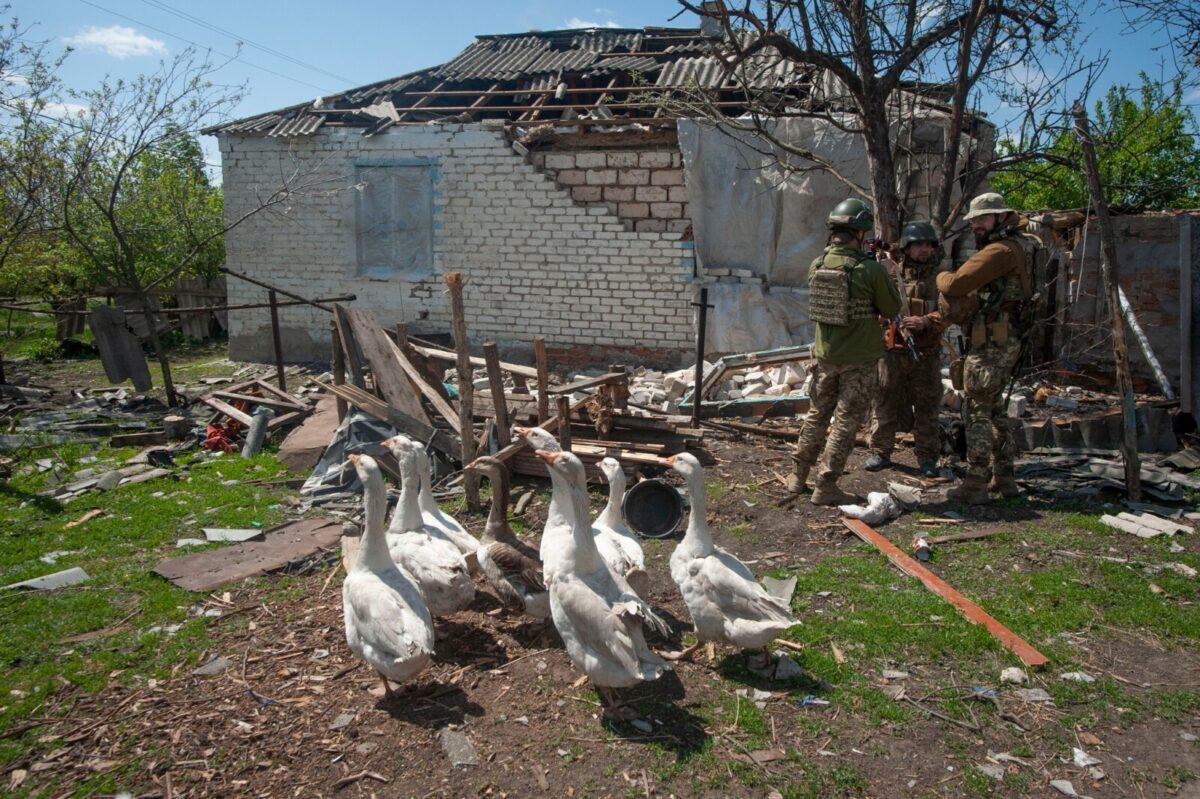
(848,291)
(999,275)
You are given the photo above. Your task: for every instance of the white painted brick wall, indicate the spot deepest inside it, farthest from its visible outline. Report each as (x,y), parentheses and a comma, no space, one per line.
(536,262)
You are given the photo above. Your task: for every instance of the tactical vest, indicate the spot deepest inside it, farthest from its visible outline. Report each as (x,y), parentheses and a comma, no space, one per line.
(1010,301)
(829,297)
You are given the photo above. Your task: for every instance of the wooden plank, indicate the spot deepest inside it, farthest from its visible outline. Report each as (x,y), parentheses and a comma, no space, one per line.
(339,365)
(284,419)
(287,543)
(449,355)
(590,382)
(393,384)
(224,407)
(975,614)
(491,356)
(543,378)
(355,359)
(466,385)
(443,440)
(271,402)
(440,404)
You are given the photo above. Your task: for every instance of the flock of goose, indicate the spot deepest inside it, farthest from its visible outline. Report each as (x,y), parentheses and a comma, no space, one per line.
(587,577)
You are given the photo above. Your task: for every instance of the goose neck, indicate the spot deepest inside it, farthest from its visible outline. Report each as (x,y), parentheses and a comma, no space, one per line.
(373,550)
(408,511)
(697,528)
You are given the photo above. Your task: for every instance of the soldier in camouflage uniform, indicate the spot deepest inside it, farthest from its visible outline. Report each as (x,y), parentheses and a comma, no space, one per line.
(844,378)
(1000,273)
(906,384)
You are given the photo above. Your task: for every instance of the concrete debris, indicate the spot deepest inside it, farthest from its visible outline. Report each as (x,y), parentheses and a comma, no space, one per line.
(992,770)
(1082,759)
(787,669)
(889,674)
(1014,676)
(458,748)
(1035,695)
(342,721)
(49,582)
(1064,787)
(1187,736)
(215,666)
(1143,525)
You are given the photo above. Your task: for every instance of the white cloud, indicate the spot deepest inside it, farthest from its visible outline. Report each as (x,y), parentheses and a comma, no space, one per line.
(576,22)
(117,41)
(64,110)
(1192,97)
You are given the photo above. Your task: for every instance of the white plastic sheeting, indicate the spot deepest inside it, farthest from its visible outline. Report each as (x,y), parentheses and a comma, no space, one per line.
(749,212)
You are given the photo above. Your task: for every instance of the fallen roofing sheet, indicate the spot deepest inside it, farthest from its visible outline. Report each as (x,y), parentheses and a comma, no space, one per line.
(282,545)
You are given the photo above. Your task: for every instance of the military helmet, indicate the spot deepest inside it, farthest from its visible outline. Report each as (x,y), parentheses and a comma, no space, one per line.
(918,231)
(987,203)
(853,214)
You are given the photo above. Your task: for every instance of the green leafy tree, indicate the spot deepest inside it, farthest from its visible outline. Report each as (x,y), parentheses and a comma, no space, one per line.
(1148,149)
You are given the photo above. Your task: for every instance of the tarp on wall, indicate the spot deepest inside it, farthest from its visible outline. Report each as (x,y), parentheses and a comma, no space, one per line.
(761,211)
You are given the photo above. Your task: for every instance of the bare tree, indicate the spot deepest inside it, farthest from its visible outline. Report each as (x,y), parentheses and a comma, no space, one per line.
(866,65)
(134,229)
(1178,19)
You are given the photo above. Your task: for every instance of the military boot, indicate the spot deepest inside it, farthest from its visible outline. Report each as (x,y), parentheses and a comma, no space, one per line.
(828,493)
(797,482)
(1005,485)
(973,490)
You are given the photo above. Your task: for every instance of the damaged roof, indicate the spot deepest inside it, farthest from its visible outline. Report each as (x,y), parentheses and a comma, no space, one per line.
(597,75)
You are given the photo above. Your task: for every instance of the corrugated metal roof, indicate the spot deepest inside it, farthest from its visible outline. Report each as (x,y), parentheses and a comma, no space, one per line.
(531,61)
(301,125)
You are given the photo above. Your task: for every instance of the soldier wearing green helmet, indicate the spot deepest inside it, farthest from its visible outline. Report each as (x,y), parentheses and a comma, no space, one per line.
(848,291)
(907,385)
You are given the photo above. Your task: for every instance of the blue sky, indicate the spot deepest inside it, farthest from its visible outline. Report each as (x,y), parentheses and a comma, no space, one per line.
(296,51)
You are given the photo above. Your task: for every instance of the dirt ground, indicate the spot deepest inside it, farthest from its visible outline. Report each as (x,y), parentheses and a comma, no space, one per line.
(294,714)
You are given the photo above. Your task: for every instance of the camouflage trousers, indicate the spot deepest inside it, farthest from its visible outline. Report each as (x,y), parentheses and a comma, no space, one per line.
(909,389)
(841,393)
(986,374)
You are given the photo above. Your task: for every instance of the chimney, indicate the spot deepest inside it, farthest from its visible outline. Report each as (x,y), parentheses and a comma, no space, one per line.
(711,26)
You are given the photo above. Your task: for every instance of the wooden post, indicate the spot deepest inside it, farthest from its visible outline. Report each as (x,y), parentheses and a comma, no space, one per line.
(564,422)
(275,337)
(701,329)
(466,386)
(543,378)
(339,367)
(1110,277)
(402,336)
(496,382)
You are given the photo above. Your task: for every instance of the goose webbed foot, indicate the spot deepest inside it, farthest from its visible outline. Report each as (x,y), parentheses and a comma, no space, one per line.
(684,654)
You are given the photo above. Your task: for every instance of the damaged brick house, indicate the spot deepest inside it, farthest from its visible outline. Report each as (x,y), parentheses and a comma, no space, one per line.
(537,165)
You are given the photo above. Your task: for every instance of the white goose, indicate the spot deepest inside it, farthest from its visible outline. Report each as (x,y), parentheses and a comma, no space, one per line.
(511,566)
(437,521)
(434,562)
(387,622)
(611,524)
(726,602)
(557,531)
(597,614)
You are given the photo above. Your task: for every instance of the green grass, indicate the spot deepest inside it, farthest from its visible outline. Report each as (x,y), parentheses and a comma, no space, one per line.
(118,549)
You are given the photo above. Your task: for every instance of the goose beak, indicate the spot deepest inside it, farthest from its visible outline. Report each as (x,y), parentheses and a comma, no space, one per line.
(670,462)
(389,443)
(548,457)
(354,459)
(519,431)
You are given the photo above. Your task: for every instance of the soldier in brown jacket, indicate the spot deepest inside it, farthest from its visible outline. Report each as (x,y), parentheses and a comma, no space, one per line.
(1000,273)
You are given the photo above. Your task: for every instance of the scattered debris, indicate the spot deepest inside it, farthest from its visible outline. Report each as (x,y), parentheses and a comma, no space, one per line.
(458,748)
(1144,525)
(1077,676)
(342,721)
(889,674)
(1014,676)
(50,558)
(49,582)
(232,535)
(1082,759)
(281,547)
(216,665)
(1033,695)
(992,770)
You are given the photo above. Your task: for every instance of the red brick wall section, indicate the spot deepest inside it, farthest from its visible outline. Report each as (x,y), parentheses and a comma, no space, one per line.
(645,188)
